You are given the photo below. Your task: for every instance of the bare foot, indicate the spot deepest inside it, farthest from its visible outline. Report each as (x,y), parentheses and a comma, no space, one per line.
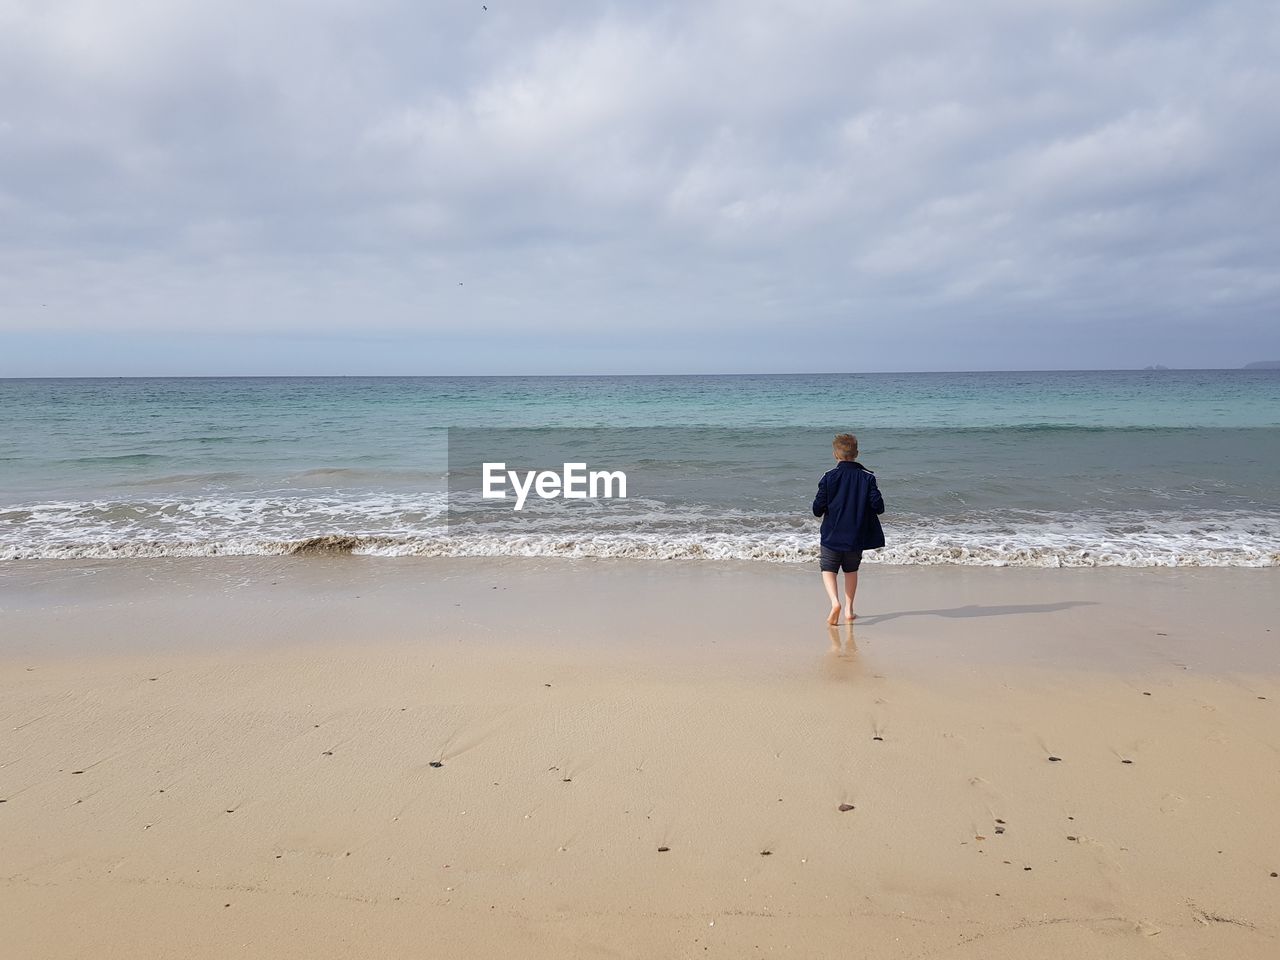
(834,618)
(852,616)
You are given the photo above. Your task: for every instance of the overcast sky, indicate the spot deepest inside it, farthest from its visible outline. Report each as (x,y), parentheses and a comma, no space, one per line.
(370,186)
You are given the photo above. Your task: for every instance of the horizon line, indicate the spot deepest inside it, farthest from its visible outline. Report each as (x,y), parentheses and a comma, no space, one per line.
(565,376)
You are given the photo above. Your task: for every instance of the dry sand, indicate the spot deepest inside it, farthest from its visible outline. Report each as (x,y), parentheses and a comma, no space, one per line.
(441,758)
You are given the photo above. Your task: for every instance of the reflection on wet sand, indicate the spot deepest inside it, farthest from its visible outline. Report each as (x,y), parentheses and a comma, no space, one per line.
(843,662)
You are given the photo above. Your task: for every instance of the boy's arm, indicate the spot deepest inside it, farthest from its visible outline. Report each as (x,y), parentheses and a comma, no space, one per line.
(877,501)
(820,501)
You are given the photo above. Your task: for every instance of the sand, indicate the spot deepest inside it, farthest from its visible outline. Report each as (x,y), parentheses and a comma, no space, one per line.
(354,757)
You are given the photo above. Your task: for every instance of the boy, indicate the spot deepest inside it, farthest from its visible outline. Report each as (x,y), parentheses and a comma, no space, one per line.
(850,505)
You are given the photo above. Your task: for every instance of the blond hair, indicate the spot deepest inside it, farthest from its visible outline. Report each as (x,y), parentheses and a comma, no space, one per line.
(845,446)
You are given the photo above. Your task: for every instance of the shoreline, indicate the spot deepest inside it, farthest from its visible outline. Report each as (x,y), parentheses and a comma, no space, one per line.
(332,757)
(1178,545)
(1204,618)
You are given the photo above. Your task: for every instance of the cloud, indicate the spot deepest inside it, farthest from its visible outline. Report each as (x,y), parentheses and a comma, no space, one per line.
(991,184)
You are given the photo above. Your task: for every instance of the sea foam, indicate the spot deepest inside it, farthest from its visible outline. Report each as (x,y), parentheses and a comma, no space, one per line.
(399,525)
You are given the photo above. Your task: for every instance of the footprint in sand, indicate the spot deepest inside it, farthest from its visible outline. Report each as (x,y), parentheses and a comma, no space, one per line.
(1104,857)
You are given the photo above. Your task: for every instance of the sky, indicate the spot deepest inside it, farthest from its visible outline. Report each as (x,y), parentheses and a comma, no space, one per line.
(380,187)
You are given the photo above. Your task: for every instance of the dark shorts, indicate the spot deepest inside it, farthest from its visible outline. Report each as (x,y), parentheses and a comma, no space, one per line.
(830,561)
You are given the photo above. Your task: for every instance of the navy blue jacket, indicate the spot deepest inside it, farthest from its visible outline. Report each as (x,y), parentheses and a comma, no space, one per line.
(850,505)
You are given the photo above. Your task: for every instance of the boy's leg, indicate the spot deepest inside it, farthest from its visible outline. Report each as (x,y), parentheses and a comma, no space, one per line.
(829,581)
(850,588)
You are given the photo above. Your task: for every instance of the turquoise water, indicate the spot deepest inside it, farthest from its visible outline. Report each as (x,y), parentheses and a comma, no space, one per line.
(1070,468)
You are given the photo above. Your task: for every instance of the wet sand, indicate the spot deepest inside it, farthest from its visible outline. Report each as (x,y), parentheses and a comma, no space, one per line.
(356,757)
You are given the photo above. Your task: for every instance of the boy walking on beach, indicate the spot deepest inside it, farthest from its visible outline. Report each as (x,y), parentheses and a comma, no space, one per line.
(850,505)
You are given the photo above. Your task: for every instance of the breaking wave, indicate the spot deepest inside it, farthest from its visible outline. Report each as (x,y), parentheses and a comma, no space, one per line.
(402,525)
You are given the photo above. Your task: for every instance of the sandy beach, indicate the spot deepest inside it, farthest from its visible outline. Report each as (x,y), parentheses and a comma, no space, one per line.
(355,757)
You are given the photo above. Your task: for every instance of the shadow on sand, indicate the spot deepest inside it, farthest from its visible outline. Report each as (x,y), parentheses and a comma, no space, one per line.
(974,610)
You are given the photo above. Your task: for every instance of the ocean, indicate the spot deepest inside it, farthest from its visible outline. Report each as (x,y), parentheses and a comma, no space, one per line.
(1131,468)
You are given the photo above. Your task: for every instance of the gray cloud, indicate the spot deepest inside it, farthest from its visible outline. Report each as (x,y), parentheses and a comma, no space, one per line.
(687,186)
